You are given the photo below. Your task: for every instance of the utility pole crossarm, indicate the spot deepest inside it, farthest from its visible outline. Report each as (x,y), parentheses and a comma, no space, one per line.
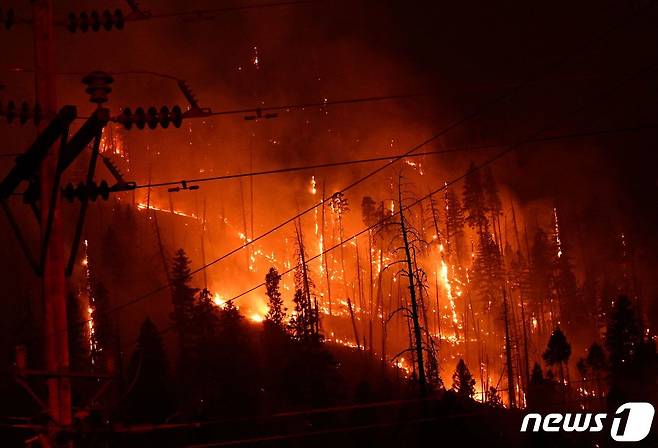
(28,164)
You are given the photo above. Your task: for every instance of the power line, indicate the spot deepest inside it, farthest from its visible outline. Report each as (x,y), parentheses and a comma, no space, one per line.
(258,109)
(320,104)
(451,150)
(489,161)
(203,13)
(136,15)
(496,100)
(302,106)
(445,130)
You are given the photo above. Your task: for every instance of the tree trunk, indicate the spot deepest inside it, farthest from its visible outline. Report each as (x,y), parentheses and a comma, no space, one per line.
(508,354)
(422,381)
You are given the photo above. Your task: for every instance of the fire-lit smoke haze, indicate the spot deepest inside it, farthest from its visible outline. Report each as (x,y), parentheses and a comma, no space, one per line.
(473,86)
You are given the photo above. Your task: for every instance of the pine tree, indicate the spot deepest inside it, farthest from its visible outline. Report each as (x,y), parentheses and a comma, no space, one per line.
(454,225)
(537,376)
(492,203)
(474,199)
(233,382)
(149,399)
(204,316)
(487,272)
(557,351)
(491,197)
(541,391)
(596,362)
(183,299)
(370,215)
(305,324)
(277,313)
(633,361)
(299,325)
(494,399)
(463,382)
(623,336)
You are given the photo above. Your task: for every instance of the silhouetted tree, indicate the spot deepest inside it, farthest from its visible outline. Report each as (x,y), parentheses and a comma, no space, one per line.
(298,325)
(149,396)
(204,317)
(474,201)
(454,225)
(235,382)
(596,363)
(491,198)
(370,215)
(305,323)
(541,391)
(411,240)
(633,361)
(277,313)
(557,351)
(487,272)
(463,382)
(537,375)
(494,399)
(183,300)
(623,336)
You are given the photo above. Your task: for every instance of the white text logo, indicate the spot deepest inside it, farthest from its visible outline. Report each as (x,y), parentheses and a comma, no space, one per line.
(631,422)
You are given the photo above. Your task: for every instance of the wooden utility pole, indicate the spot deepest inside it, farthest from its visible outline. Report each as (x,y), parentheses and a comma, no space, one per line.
(54,280)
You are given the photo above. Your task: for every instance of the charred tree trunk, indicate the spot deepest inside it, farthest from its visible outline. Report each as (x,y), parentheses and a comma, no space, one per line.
(370,291)
(347,295)
(508,354)
(325,259)
(422,381)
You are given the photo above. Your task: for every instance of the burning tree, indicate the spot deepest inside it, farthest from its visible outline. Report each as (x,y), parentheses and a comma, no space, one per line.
(339,206)
(487,272)
(557,352)
(474,200)
(594,364)
(277,312)
(463,382)
(633,362)
(541,267)
(421,343)
(305,322)
(454,225)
